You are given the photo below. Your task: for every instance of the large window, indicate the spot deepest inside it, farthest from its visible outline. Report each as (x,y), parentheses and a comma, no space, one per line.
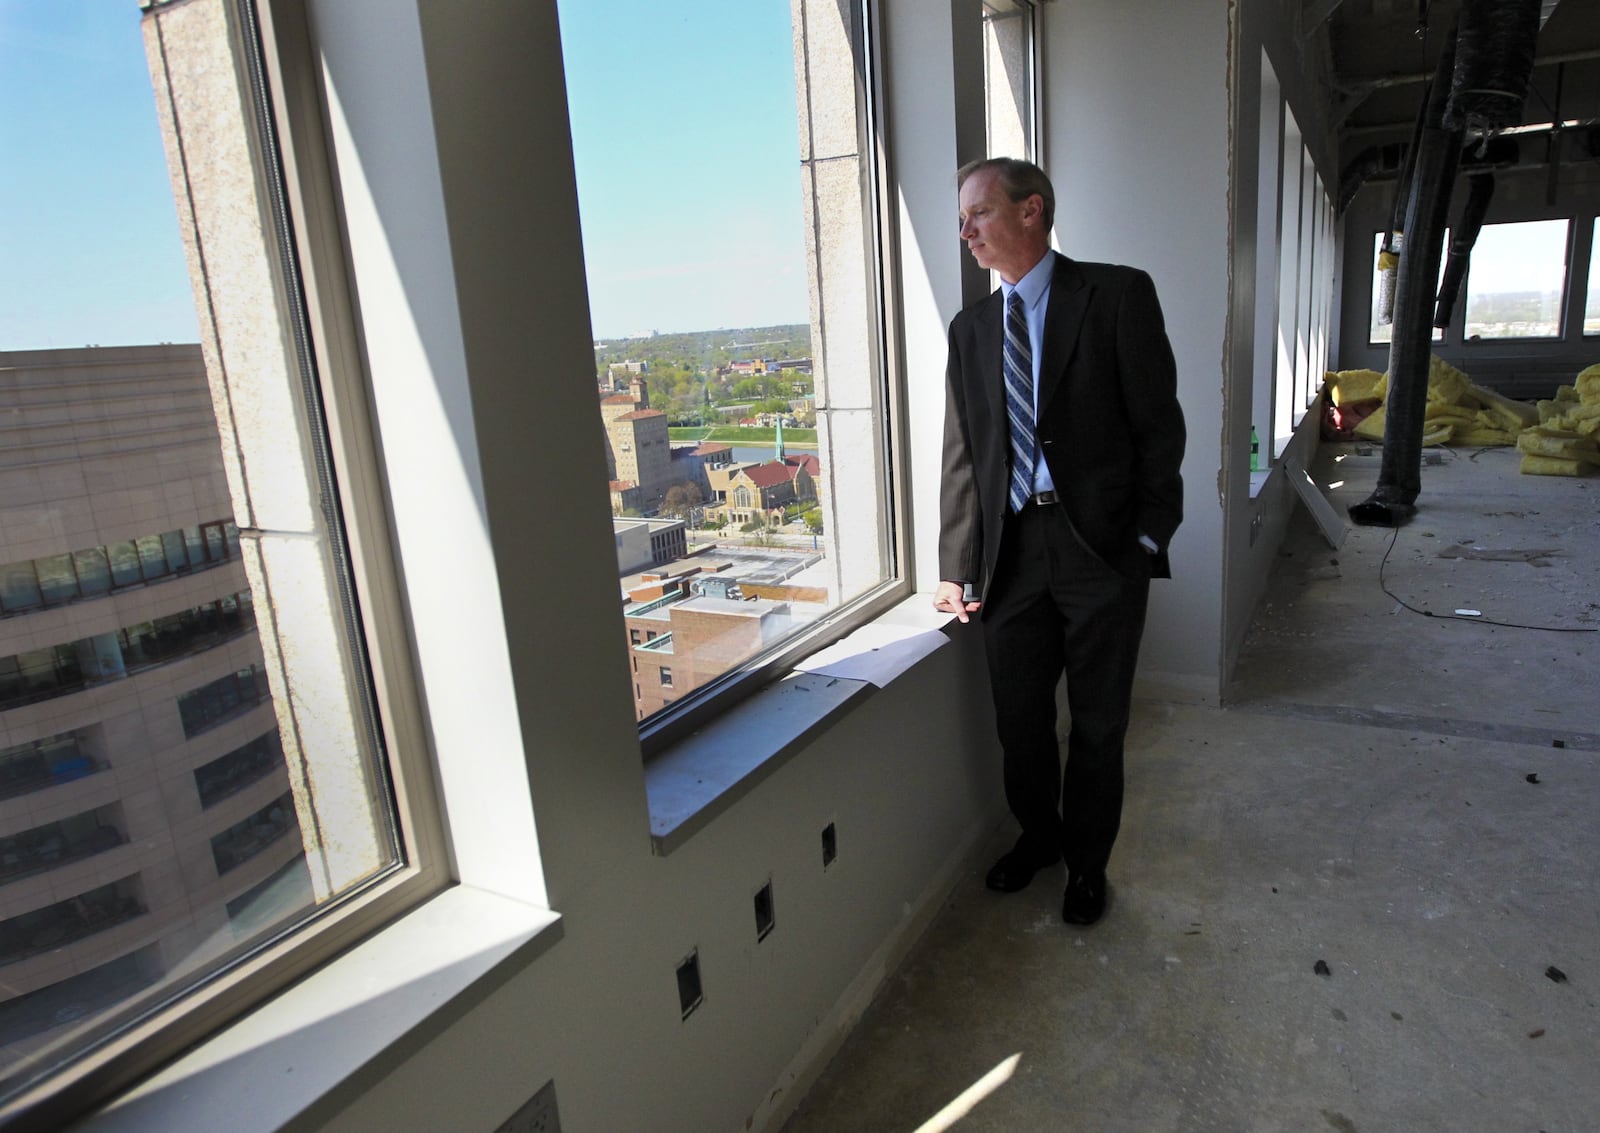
(731,265)
(1516,281)
(119,460)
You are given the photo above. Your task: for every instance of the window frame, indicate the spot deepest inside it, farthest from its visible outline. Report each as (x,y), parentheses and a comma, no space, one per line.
(1026,14)
(1440,335)
(1563,306)
(1591,274)
(280,81)
(687,715)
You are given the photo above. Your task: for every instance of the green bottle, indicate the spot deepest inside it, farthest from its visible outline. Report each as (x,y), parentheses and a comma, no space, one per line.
(1255,450)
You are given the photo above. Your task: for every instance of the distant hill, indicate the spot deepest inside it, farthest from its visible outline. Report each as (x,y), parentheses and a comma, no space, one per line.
(706,349)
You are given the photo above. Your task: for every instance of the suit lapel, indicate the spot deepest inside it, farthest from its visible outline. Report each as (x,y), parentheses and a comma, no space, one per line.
(1063,319)
(989,336)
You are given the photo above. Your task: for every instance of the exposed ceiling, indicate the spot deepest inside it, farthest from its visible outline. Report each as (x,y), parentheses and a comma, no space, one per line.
(1380,53)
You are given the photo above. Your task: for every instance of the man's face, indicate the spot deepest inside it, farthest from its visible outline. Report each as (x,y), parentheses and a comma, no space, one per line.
(1004,235)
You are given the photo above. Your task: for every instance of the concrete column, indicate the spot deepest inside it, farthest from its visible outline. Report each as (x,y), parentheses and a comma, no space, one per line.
(227,215)
(843,308)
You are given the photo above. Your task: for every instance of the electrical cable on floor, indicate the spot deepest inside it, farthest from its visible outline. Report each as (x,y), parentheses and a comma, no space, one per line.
(1464,617)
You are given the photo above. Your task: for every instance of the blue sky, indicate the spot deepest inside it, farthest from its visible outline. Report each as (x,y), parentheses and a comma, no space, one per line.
(684,131)
(89,246)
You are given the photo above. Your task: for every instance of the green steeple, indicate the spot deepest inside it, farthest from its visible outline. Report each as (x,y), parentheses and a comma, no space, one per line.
(779,455)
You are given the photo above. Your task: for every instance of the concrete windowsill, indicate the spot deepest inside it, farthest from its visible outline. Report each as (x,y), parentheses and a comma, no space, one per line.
(306,1053)
(705,774)
(309,1051)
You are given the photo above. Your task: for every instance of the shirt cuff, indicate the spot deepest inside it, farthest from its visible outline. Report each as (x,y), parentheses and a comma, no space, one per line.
(1148,544)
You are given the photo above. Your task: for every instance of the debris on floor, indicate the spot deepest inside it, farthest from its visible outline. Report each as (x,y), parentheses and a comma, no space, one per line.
(1558,437)
(1563,442)
(1538,557)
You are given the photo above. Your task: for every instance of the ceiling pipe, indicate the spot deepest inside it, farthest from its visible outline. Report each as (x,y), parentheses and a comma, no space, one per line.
(1380,82)
(1533,128)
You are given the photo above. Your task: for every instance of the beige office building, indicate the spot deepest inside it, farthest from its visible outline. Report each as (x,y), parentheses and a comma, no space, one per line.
(144,802)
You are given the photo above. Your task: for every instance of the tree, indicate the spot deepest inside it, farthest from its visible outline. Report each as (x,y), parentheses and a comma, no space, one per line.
(681,499)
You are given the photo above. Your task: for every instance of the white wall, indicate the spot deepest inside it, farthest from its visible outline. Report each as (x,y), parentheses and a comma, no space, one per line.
(1135,120)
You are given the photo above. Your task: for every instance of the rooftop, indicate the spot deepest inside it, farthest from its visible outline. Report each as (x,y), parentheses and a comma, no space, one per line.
(770,474)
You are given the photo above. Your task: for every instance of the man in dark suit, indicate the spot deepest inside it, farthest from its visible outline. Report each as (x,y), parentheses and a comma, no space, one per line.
(1060,493)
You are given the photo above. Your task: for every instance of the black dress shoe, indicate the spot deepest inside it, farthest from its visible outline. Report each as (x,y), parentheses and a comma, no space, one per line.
(1016,868)
(1085,899)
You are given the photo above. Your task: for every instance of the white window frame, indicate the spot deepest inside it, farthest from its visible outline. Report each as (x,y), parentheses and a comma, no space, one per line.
(1011,123)
(857,387)
(223,39)
(1563,305)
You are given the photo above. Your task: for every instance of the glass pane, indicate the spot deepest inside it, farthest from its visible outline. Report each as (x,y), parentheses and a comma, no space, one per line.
(713,437)
(229,774)
(152,557)
(124,558)
(41,674)
(1008,77)
(1517,280)
(57,582)
(177,554)
(1591,306)
(34,766)
(216,551)
(10,681)
(94,572)
(93,253)
(19,587)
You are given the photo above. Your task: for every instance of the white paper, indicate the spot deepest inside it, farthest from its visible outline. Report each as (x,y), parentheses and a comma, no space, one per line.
(874,653)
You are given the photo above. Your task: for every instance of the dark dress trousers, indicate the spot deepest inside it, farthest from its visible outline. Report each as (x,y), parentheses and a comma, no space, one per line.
(1064,585)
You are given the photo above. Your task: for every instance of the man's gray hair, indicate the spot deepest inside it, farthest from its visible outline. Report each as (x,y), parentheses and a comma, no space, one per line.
(1019,180)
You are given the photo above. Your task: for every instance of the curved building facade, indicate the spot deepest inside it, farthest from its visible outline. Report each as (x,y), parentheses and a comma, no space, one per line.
(145,810)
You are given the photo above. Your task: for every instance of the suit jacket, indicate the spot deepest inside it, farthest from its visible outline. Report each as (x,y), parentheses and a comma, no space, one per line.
(1109,424)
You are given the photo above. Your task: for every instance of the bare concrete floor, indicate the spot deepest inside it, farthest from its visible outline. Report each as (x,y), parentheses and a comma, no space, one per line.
(1365,896)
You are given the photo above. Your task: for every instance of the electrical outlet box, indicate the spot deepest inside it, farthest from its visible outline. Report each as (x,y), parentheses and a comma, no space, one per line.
(690,995)
(539,1115)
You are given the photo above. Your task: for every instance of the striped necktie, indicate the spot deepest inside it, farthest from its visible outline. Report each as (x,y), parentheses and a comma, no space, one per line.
(1018,367)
